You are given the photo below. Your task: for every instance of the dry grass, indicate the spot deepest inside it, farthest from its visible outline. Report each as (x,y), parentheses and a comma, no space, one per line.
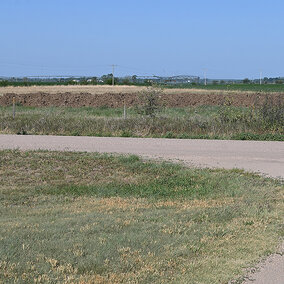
(72,89)
(102,89)
(200,122)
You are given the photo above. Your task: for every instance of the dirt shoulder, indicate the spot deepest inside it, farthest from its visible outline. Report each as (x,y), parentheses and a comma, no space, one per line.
(269,271)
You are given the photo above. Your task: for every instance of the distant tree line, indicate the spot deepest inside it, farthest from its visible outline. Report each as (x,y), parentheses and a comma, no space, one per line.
(130,80)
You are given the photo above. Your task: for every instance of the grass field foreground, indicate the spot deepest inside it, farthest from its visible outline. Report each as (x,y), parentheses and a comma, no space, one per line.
(90,218)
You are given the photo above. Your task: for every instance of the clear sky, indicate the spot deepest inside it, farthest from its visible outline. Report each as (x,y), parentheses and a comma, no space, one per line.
(228,38)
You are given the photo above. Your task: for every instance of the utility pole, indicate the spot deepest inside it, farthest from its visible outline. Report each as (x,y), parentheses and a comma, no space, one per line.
(260,78)
(124,110)
(14,107)
(113,66)
(205,79)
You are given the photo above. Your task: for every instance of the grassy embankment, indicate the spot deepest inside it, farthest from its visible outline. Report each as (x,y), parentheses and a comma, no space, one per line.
(210,122)
(71,217)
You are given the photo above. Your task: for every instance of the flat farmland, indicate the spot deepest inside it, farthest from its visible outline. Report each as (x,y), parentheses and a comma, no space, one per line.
(150,112)
(116,96)
(94,90)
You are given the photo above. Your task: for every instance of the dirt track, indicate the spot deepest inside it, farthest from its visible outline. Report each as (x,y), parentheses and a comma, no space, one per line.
(96,96)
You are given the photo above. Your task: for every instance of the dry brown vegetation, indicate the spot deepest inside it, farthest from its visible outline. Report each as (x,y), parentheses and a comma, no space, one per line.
(102,89)
(94,90)
(218,122)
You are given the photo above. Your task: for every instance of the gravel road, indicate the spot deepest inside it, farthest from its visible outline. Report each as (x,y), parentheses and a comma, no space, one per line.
(262,157)
(257,156)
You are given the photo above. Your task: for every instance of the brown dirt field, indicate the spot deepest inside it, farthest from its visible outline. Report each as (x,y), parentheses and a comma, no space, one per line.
(96,96)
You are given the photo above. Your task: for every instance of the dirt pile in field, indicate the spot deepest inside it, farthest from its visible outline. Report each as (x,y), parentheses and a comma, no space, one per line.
(169,99)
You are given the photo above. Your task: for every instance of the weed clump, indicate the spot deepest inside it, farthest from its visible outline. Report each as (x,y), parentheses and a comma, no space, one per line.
(272,113)
(150,102)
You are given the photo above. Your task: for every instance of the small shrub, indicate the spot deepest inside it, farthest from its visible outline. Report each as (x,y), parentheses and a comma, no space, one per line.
(75,133)
(150,103)
(126,82)
(22,131)
(4,83)
(126,133)
(169,134)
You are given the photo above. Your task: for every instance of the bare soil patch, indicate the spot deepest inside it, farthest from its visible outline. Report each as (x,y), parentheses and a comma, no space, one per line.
(97,96)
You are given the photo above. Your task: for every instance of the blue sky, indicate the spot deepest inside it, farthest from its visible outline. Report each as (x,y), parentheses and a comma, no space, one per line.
(230,39)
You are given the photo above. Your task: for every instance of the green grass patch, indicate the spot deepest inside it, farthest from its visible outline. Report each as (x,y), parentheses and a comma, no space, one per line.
(93,218)
(265,88)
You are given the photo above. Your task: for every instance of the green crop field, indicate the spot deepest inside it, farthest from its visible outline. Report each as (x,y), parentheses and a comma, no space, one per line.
(265,88)
(90,218)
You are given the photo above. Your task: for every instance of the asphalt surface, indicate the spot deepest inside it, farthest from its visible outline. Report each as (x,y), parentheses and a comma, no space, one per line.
(266,158)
